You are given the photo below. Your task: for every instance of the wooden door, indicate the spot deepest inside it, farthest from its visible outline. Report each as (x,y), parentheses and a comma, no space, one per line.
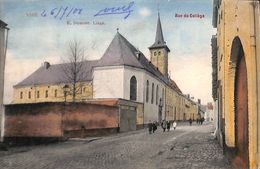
(241,115)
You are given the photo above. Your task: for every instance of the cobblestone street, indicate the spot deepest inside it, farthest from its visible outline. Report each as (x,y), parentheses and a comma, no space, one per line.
(188,147)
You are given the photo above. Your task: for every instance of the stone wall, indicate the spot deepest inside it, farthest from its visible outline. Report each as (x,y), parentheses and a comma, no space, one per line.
(47,121)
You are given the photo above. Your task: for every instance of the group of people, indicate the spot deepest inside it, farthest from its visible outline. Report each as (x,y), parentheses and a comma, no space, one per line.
(164,124)
(199,121)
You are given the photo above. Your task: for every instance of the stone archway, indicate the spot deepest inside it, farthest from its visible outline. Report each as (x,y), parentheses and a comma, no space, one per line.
(240,103)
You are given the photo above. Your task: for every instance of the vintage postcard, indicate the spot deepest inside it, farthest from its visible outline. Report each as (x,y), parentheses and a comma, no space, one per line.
(129,84)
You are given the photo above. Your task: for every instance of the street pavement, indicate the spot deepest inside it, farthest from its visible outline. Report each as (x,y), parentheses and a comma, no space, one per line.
(187,147)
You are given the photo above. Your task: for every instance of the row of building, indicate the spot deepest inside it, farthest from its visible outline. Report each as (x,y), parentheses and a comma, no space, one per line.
(122,77)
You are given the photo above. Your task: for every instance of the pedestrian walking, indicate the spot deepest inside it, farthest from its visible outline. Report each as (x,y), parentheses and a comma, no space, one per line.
(168,125)
(202,120)
(164,125)
(150,127)
(174,125)
(154,126)
(190,121)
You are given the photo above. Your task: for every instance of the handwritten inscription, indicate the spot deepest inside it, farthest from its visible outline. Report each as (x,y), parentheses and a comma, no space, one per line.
(125,9)
(62,12)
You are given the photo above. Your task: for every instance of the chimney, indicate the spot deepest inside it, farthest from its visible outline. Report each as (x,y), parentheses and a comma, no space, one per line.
(199,101)
(46,65)
(137,54)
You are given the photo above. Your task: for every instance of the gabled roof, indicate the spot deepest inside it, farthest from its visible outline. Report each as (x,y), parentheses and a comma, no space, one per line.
(159,40)
(2,24)
(120,52)
(56,74)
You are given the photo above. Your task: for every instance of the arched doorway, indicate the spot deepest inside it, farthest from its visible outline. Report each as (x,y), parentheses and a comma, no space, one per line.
(240,104)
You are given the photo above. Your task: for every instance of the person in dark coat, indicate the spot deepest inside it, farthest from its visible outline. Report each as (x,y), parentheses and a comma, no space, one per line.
(150,127)
(164,125)
(168,125)
(190,121)
(154,126)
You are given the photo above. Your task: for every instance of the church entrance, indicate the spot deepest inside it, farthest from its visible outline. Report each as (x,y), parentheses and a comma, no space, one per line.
(241,110)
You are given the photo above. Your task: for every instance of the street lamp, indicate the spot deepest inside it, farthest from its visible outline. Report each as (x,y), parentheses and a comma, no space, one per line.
(65,89)
(3,48)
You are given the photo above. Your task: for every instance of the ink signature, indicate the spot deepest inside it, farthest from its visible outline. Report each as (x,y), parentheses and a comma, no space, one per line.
(125,9)
(61,12)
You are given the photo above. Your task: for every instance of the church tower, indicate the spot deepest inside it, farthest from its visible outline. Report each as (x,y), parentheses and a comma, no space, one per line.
(159,50)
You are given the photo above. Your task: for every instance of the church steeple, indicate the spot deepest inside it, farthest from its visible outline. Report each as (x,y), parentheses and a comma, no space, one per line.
(159,34)
(159,50)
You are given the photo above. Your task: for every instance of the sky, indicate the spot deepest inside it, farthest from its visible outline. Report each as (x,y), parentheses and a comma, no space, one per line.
(40,30)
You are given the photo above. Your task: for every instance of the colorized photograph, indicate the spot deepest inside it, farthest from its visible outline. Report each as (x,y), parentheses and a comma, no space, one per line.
(145,84)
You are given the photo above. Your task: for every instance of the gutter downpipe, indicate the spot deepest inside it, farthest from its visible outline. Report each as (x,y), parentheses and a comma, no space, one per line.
(2,120)
(256,48)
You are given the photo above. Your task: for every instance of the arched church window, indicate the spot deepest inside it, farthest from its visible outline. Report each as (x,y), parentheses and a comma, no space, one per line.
(147,91)
(162,95)
(133,87)
(154,53)
(159,53)
(152,93)
(157,94)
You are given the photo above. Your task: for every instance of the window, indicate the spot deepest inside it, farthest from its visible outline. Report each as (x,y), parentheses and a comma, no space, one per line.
(29,95)
(46,93)
(159,53)
(21,95)
(154,53)
(162,95)
(55,93)
(38,94)
(133,86)
(147,91)
(157,94)
(152,93)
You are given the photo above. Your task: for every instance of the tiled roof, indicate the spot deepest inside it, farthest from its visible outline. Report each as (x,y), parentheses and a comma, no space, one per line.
(55,74)
(119,52)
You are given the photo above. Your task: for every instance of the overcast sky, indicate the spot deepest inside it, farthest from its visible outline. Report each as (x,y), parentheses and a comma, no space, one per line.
(39,33)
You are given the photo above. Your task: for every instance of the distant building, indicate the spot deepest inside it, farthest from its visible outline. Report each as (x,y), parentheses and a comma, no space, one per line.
(209,112)
(236,79)
(122,72)
(3,43)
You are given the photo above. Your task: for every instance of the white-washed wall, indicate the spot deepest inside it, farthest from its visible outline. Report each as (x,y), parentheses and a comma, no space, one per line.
(151,110)
(108,82)
(129,72)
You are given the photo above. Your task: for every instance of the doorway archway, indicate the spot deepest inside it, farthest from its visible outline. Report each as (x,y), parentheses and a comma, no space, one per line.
(238,62)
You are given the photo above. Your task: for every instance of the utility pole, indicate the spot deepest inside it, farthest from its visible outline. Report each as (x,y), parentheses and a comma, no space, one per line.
(3,46)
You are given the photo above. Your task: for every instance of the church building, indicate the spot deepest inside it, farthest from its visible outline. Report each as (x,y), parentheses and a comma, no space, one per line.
(123,72)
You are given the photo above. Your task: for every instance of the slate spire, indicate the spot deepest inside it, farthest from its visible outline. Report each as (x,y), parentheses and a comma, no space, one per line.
(159,34)
(159,40)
